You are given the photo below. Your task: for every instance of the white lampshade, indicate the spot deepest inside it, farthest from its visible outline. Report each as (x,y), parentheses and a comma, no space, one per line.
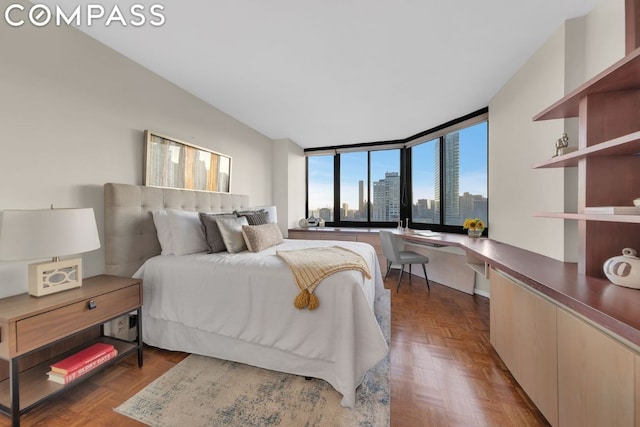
(47,233)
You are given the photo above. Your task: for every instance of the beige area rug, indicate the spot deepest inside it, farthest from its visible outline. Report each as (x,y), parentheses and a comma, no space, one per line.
(204,391)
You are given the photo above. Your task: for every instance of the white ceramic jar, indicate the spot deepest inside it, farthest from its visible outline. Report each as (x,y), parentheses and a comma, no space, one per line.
(624,270)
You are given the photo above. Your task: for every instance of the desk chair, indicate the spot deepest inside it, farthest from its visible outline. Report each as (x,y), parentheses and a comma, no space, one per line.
(395,256)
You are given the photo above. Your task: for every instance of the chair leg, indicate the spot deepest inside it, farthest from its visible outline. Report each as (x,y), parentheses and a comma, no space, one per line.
(388,269)
(410,282)
(400,278)
(425,276)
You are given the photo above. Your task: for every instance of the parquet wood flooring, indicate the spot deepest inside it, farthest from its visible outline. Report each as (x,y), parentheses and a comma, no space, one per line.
(444,371)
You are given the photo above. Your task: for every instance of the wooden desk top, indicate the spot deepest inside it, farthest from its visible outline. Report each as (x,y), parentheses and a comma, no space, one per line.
(615,308)
(612,307)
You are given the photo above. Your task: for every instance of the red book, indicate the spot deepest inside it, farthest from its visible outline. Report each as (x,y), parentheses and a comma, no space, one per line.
(64,379)
(81,358)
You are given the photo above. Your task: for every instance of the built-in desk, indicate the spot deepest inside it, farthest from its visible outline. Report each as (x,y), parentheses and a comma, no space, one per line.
(447,263)
(571,341)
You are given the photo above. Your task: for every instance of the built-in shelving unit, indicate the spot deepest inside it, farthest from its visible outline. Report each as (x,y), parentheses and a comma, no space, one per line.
(608,111)
(621,146)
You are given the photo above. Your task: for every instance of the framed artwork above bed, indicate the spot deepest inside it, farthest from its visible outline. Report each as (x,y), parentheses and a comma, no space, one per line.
(169,162)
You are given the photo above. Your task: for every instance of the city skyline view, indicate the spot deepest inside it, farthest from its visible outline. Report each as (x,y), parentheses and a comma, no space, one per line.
(465,172)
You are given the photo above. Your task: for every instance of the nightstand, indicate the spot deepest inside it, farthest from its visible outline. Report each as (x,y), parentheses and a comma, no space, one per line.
(30,325)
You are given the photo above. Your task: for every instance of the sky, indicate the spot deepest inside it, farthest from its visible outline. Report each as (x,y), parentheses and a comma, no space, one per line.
(473,169)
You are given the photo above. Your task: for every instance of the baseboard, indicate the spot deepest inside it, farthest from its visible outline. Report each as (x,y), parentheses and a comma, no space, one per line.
(482,293)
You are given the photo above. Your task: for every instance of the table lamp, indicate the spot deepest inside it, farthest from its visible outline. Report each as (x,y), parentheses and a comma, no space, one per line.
(49,233)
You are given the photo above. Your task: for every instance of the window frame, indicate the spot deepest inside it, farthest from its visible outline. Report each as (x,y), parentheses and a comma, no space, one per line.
(405,172)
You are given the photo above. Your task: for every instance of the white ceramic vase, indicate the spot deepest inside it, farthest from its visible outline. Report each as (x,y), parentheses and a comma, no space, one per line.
(624,270)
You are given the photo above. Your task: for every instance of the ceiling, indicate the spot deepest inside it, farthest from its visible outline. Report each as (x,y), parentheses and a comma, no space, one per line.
(336,72)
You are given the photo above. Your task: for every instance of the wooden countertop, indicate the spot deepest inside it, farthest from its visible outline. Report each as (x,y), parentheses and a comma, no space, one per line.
(612,307)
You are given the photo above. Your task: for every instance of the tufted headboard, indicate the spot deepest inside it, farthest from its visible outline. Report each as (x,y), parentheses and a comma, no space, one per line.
(129,233)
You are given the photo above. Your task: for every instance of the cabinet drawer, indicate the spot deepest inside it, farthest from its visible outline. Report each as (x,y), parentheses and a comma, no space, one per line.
(44,328)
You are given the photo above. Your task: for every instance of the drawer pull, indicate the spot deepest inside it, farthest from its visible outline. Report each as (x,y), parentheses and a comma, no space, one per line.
(92,304)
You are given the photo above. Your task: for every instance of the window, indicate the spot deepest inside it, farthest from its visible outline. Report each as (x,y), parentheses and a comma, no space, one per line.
(385,186)
(370,186)
(425,166)
(353,178)
(449,177)
(436,179)
(320,187)
(465,166)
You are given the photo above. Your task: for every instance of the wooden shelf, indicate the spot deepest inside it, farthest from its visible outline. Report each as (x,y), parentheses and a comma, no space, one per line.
(623,75)
(624,145)
(590,217)
(35,387)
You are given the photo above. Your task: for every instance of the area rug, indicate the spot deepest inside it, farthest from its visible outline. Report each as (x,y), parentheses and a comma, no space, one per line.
(204,391)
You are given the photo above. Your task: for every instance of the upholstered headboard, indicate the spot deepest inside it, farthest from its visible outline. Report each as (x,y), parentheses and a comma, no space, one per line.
(129,233)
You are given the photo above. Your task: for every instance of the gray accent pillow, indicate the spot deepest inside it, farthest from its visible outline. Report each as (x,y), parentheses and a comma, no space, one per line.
(231,231)
(261,237)
(255,217)
(212,232)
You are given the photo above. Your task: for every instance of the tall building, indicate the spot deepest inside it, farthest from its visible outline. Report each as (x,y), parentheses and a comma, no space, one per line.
(345,210)
(451,178)
(386,198)
(362,202)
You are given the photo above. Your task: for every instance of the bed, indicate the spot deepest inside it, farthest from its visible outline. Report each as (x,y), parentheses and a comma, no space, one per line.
(239,306)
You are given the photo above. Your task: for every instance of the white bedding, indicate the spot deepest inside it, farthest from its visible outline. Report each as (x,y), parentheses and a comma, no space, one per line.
(240,307)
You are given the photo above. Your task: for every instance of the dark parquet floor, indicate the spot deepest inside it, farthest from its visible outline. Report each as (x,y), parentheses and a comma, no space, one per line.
(444,371)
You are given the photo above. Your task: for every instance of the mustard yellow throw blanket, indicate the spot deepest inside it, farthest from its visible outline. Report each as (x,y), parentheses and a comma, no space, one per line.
(310,266)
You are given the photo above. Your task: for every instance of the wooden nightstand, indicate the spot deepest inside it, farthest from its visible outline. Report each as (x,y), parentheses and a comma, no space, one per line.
(29,325)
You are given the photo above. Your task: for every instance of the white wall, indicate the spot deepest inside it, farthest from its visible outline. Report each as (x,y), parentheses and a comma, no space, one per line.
(515,142)
(72,116)
(604,36)
(574,53)
(288,183)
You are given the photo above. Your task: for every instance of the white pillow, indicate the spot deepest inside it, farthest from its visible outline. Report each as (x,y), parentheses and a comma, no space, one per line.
(163,230)
(187,234)
(231,231)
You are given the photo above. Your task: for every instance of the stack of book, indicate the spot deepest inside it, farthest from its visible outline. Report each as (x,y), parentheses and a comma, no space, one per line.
(81,362)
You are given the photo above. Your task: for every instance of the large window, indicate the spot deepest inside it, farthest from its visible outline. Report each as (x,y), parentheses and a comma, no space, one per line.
(353,178)
(320,187)
(449,177)
(436,179)
(385,186)
(425,164)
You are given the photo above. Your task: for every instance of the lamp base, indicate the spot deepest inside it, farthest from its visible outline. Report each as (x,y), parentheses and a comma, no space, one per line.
(54,276)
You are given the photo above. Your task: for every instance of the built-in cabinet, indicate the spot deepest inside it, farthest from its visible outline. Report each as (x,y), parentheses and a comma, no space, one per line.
(595,376)
(637,358)
(575,373)
(523,332)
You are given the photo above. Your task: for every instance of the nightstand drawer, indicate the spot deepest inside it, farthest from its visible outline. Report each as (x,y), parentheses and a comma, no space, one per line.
(44,328)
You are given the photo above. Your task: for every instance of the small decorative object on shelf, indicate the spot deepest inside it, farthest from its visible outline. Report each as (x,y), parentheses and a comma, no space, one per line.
(474,227)
(624,270)
(561,143)
(303,223)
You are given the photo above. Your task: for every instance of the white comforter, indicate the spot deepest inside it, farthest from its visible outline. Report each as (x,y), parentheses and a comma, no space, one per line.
(249,297)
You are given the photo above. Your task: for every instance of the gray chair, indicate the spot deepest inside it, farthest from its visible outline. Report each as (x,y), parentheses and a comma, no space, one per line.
(395,256)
